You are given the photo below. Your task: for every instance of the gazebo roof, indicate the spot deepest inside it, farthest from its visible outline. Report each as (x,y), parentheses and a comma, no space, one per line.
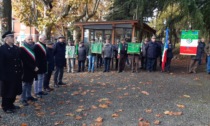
(108,25)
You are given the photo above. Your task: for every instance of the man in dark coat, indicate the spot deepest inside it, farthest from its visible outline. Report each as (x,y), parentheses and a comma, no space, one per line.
(50,66)
(195,59)
(60,60)
(122,54)
(151,53)
(29,69)
(41,63)
(107,54)
(10,73)
(81,57)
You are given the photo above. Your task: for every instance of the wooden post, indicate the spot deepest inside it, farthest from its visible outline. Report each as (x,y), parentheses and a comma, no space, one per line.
(113,34)
(82,33)
(133,31)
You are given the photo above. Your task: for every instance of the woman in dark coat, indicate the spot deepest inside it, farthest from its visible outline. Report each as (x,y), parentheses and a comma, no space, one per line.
(10,73)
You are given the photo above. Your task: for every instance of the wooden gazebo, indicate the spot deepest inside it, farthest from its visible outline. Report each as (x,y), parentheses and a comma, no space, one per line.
(114,30)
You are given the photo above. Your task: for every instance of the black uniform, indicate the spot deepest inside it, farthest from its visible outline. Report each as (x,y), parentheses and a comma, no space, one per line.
(10,75)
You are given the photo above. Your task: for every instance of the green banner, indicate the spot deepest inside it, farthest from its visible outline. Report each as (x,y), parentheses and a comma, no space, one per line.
(189,34)
(76,47)
(134,48)
(71,51)
(96,47)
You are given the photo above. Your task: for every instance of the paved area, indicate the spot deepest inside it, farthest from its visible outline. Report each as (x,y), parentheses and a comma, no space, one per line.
(122,99)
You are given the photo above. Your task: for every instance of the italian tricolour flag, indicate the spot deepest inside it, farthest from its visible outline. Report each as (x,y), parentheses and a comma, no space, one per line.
(189,42)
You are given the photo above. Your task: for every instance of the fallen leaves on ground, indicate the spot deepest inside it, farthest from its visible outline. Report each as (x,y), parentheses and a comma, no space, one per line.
(24,124)
(40,114)
(159,115)
(79,110)
(94,107)
(148,110)
(157,122)
(103,106)
(99,119)
(69,114)
(103,99)
(171,113)
(186,96)
(144,123)
(59,123)
(78,117)
(22,115)
(145,92)
(180,106)
(115,115)
(75,93)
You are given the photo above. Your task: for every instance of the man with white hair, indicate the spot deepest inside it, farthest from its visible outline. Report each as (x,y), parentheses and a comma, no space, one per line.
(41,63)
(29,69)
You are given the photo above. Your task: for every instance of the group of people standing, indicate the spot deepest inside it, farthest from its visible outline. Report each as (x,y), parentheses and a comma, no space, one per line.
(34,63)
(117,53)
(31,63)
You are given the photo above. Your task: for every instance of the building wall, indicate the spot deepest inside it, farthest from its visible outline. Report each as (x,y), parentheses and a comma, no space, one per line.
(22,31)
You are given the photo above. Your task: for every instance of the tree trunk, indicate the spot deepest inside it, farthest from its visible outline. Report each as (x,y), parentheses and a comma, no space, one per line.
(47,31)
(7,16)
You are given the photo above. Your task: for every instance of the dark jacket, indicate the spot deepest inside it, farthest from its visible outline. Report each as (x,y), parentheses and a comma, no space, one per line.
(123,48)
(152,50)
(29,63)
(82,53)
(41,58)
(107,50)
(59,53)
(200,51)
(50,59)
(143,50)
(170,51)
(160,48)
(10,71)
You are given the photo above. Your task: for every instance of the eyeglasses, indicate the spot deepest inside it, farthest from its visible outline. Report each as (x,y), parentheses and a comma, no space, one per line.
(30,39)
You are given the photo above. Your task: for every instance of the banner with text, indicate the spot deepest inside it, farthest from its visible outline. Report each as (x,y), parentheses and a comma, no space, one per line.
(134,48)
(96,47)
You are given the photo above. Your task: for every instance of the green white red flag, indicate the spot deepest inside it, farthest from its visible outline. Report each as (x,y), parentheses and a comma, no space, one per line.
(189,42)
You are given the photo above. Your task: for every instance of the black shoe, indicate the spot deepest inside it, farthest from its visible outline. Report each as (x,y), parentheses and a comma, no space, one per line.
(31,99)
(56,85)
(43,93)
(104,71)
(24,103)
(48,89)
(38,95)
(15,107)
(9,111)
(61,83)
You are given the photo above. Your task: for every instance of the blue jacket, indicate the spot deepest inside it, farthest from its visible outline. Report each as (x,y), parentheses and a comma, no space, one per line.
(152,50)
(59,53)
